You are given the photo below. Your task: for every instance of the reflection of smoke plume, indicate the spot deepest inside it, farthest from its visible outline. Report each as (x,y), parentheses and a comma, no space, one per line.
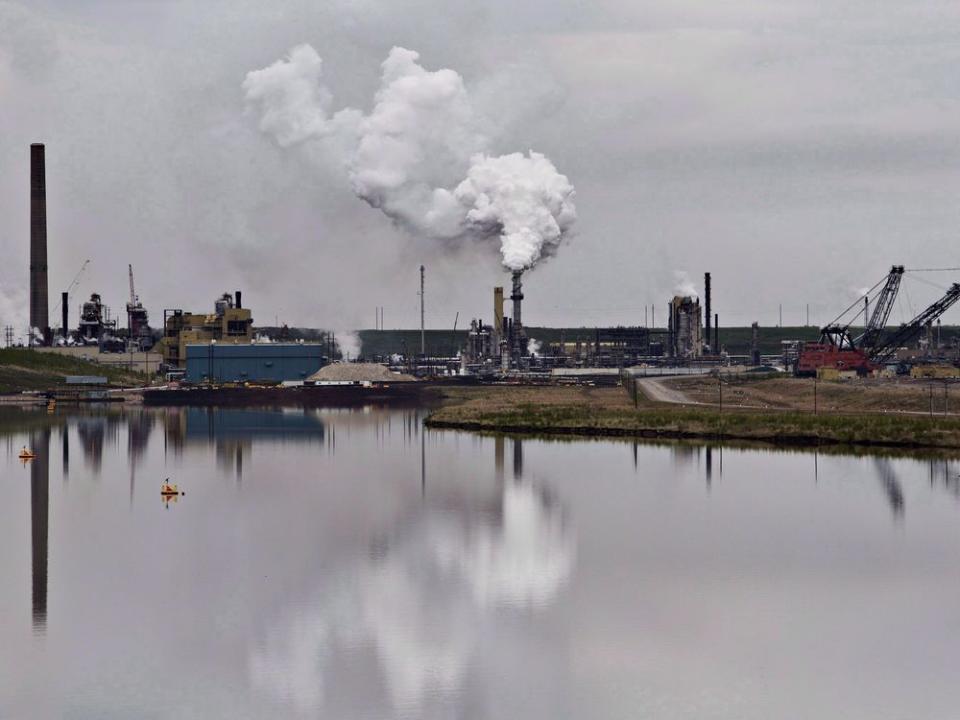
(523,562)
(684,286)
(421,137)
(423,605)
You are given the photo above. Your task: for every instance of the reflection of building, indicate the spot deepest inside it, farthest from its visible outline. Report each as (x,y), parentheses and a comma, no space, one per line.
(684,322)
(231,424)
(229,323)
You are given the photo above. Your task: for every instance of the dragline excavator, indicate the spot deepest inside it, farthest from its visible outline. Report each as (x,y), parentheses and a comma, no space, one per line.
(875,346)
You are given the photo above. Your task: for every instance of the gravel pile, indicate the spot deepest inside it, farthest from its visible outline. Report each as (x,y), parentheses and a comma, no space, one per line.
(359,372)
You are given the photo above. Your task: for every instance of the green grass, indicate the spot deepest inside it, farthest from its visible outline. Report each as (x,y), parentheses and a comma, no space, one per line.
(786,427)
(22,369)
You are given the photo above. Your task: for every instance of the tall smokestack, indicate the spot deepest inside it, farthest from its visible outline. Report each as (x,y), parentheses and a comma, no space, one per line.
(39,311)
(65,314)
(517,297)
(497,311)
(237,297)
(706,293)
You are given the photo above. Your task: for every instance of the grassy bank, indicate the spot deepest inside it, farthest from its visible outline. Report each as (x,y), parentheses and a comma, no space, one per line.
(608,411)
(22,369)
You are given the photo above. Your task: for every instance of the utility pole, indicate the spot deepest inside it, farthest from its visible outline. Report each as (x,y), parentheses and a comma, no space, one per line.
(423,335)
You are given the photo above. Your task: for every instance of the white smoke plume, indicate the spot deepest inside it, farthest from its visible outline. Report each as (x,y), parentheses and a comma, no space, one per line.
(683,286)
(348,342)
(420,155)
(533,346)
(13,312)
(520,198)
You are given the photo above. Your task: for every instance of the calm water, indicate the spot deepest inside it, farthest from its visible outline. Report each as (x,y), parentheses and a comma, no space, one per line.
(347,564)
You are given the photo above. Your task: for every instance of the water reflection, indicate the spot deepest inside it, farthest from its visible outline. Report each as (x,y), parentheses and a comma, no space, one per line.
(411,573)
(423,596)
(39,524)
(891,486)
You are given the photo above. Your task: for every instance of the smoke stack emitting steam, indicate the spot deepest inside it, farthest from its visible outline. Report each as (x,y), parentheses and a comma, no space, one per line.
(39,311)
(419,156)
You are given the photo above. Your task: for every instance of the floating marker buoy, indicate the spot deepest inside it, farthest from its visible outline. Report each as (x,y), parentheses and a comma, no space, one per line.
(26,454)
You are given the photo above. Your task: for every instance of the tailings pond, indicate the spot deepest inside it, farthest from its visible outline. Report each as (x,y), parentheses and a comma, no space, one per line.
(349,564)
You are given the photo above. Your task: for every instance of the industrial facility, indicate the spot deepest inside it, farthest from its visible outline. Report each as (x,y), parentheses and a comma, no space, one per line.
(222,346)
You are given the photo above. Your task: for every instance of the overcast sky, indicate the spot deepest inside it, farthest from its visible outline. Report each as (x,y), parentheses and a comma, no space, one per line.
(794,148)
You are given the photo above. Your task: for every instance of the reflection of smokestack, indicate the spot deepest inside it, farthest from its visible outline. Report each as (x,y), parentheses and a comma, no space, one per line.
(498,457)
(65,436)
(706,293)
(38,239)
(517,459)
(237,297)
(39,515)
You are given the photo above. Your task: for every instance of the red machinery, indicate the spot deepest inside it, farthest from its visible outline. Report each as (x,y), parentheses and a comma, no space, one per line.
(874,347)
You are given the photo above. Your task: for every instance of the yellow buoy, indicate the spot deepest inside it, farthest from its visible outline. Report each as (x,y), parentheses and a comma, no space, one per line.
(167,489)
(26,454)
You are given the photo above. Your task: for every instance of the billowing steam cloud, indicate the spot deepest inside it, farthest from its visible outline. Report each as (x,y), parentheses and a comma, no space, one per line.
(684,286)
(420,155)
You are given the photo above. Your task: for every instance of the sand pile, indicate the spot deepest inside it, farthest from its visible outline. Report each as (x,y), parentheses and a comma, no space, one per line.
(359,372)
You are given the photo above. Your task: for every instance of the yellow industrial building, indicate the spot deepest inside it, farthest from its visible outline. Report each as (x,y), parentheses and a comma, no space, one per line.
(229,323)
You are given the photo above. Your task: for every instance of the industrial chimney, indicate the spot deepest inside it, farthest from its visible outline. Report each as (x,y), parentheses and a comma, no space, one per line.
(517,297)
(497,314)
(706,293)
(65,314)
(237,297)
(38,241)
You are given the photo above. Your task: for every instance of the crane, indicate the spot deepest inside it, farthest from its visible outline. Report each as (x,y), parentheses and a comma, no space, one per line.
(872,348)
(836,347)
(909,331)
(882,307)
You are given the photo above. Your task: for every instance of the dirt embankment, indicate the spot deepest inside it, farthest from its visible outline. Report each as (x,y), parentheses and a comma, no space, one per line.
(894,395)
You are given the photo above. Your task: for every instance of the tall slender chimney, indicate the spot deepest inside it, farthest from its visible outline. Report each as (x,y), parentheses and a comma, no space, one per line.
(65,314)
(423,340)
(237,297)
(497,312)
(517,297)
(39,311)
(706,293)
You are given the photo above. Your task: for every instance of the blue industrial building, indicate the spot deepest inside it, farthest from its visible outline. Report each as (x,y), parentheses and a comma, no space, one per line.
(253,362)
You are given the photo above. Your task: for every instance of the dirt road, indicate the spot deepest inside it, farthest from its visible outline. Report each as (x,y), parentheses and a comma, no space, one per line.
(655,389)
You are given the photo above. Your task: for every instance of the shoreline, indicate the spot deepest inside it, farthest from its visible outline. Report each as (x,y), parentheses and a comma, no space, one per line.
(612,413)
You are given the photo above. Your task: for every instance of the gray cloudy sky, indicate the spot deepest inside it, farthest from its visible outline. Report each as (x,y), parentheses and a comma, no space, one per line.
(794,148)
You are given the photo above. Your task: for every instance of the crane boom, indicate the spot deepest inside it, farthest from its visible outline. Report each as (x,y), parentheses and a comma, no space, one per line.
(905,333)
(882,307)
